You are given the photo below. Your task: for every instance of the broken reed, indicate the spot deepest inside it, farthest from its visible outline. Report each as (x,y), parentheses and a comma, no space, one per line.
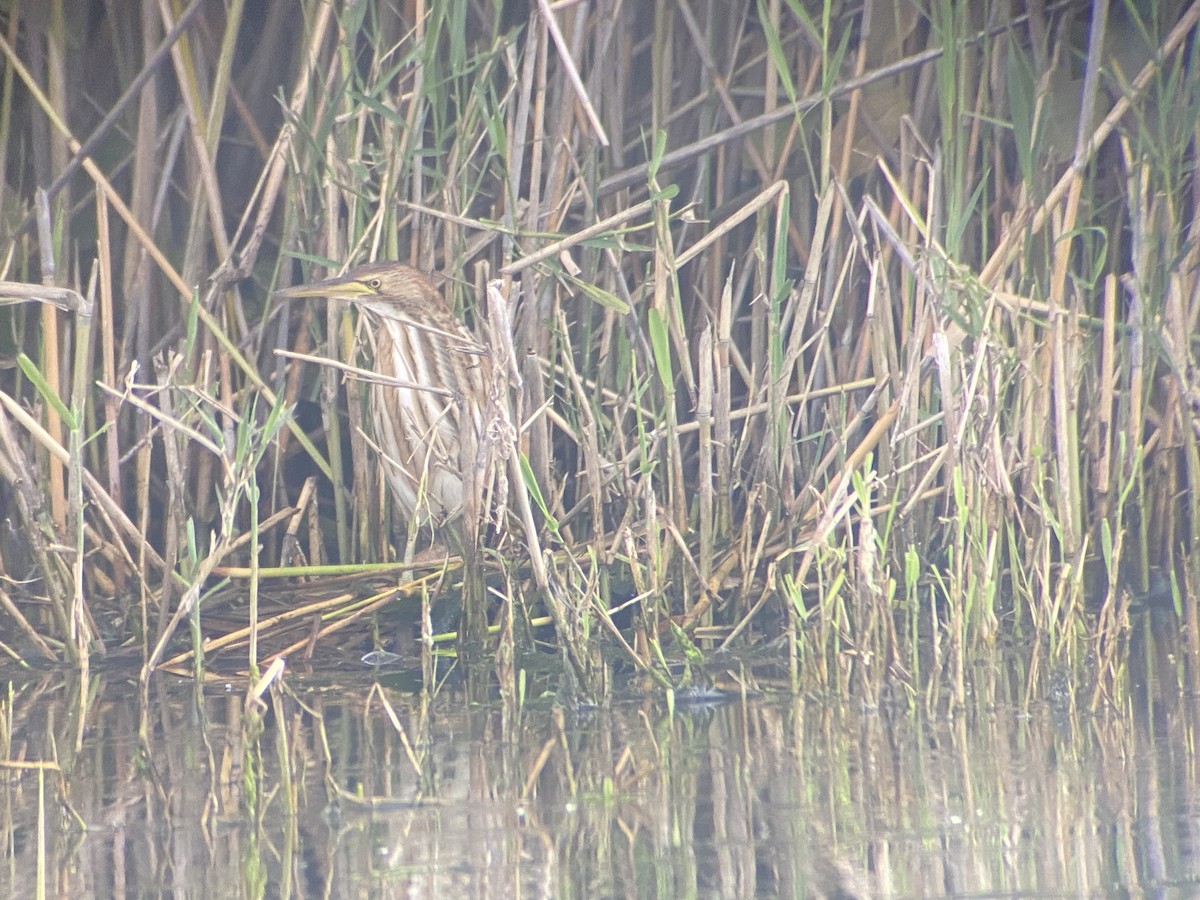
(831,328)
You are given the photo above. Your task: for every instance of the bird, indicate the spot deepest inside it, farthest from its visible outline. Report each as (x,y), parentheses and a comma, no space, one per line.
(429,397)
(440,418)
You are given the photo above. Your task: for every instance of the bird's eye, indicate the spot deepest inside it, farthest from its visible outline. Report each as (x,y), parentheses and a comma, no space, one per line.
(375,284)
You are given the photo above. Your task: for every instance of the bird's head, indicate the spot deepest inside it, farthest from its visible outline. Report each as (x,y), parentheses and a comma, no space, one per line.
(382,287)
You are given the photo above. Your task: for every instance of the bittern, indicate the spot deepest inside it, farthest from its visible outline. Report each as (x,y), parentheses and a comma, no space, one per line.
(429,403)
(441,421)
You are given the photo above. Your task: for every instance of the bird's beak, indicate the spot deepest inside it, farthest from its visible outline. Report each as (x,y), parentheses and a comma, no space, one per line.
(342,288)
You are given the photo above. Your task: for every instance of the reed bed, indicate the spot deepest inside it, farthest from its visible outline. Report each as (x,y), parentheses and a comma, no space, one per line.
(862,331)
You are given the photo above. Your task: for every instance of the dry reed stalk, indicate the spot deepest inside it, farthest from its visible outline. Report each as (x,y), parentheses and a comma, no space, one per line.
(704,415)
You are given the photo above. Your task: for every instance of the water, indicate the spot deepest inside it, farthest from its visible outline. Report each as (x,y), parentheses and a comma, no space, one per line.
(349,784)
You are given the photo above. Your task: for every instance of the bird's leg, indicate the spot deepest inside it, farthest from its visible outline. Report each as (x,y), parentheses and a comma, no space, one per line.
(410,541)
(473,634)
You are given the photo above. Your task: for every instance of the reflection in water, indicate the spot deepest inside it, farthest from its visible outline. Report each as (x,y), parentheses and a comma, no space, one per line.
(354,790)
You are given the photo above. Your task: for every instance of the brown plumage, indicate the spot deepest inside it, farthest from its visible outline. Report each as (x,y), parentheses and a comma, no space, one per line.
(442,420)
(429,404)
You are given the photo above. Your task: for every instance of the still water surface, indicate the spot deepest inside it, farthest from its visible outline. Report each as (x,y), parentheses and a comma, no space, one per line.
(349,784)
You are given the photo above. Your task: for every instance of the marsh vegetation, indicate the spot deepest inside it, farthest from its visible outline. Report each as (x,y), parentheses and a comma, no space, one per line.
(859,333)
